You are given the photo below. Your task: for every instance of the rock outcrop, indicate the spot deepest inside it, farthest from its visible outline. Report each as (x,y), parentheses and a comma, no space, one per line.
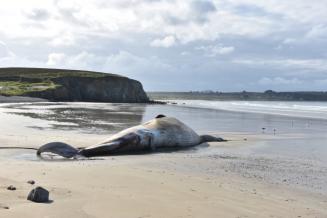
(71,85)
(104,89)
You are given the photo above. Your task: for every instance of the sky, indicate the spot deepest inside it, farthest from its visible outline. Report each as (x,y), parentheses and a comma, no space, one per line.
(174,45)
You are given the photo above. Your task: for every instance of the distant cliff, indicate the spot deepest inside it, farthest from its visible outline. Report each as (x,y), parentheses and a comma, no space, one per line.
(268,95)
(70,85)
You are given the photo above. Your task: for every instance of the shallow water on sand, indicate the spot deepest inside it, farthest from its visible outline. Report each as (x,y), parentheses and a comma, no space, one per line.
(291,150)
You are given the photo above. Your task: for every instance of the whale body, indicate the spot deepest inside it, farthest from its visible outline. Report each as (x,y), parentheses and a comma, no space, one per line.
(161,132)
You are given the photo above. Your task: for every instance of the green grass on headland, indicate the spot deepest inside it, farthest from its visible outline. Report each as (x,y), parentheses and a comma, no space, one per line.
(13,88)
(21,81)
(44,73)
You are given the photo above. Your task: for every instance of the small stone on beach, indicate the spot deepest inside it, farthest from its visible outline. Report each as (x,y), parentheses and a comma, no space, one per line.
(39,195)
(4,207)
(11,188)
(32,182)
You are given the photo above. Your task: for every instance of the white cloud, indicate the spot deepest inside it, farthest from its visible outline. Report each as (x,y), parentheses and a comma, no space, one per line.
(38,14)
(187,20)
(289,41)
(318,31)
(184,20)
(131,64)
(4,51)
(166,42)
(56,59)
(123,36)
(82,60)
(64,39)
(222,50)
(124,58)
(214,50)
(185,53)
(310,64)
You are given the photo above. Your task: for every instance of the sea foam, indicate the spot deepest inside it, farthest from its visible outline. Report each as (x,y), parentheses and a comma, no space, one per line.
(291,108)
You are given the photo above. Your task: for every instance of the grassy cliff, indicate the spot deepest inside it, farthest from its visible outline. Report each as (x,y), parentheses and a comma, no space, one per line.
(70,85)
(21,81)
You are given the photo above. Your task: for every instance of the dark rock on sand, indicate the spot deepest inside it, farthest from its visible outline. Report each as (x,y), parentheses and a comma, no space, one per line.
(11,188)
(39,195)
(4,207)
(32,182)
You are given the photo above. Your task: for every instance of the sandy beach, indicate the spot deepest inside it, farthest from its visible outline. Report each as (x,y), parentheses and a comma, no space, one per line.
(147,186)
(223,180)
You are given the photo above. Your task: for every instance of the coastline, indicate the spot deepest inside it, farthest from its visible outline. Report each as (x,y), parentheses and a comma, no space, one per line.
(233,179)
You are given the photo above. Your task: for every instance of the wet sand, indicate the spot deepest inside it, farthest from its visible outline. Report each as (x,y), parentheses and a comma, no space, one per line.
(19,99)
(252,178)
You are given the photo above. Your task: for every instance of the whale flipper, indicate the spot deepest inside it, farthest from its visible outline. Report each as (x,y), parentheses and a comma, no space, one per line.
(125,143)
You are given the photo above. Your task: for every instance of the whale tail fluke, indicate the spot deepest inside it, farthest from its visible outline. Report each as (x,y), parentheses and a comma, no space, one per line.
(210,138)
(59,148)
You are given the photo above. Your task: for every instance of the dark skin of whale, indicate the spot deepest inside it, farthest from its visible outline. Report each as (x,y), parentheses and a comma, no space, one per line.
(159,133)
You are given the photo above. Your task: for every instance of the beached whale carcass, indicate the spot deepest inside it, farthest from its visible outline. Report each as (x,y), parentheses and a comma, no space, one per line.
(161,132)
